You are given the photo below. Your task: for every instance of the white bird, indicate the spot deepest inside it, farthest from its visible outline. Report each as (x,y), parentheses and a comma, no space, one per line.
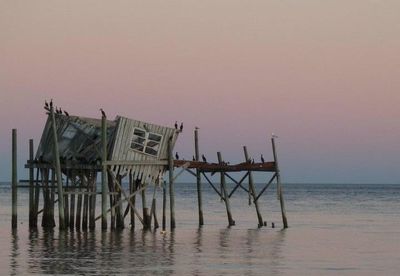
(274,136)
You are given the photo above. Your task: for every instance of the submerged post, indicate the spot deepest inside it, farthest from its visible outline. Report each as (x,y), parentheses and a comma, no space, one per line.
(164,203)
(103,173)
(253,190)
(31,195)
(14,179)
(279,186)
(58,171)
(171,183)
(225,194)
(198,177)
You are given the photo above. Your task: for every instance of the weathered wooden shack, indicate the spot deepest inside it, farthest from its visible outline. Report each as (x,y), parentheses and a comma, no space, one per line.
(128,140)
(73,150)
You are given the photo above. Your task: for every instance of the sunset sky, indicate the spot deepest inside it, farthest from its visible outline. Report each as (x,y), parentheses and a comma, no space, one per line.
(323,75)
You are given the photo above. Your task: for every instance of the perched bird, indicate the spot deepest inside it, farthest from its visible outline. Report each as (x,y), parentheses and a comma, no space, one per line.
(102,112)
(274,136)
(194,159)
(66,113)
(252,161)
(262,159)
(46,107)
(181,127)
(176,125)
(204,158)
(176,156)
(51,103)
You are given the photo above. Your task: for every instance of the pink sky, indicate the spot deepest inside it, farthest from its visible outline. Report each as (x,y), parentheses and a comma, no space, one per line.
(323,75)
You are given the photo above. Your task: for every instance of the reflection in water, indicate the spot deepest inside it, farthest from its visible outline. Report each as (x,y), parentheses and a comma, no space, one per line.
(190,252)
(14,252)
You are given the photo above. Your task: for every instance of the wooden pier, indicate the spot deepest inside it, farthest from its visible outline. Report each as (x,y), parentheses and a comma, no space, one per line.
(74,151)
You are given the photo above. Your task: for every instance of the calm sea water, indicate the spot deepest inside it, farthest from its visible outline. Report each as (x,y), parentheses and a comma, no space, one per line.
(334,229)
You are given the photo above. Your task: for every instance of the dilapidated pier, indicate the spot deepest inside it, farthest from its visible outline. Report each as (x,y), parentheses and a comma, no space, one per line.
(74,151)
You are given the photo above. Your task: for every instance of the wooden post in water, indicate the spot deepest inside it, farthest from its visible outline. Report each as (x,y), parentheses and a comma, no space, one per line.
(58,171)
(132,189)
(145,210)
(14,181)
(72,205)
(198,177)
(253,191)
(31,187)
(225,194)
(37,197)
(278,180)
(171,183)
(164,222)
(104,173)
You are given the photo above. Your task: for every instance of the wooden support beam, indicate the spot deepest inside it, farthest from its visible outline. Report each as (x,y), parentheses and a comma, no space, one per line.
(104,173)
(58,171)
(198,177)
(278,180)
(225,167)
(253,191)
(171,184)
(14,181)
(122,200)
(212,186)
(225,193)
(238,183)
(31,188)
(266,186)
(164,222)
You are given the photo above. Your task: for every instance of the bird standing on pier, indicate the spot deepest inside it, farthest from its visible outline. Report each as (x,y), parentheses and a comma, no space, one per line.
(204,158)
(262,159)
(103,113)
(194,159)
(181,127)
(66,113)
(176,125)
(51,103)
(176,156)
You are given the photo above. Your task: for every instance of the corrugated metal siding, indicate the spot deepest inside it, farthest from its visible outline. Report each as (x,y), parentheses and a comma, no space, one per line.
(122,149)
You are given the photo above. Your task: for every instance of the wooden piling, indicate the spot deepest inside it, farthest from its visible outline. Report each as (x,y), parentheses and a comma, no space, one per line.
(132,189)
(171,184)
(145,210)
(85,202)
(198,178)
(58,171)
(72,204)
(31,188)
(225,194)
(92,211)
(14,181)
(164,221)
(104,173)
(278,180)
(37,197)
(118,209)
(79,205)
(252,191)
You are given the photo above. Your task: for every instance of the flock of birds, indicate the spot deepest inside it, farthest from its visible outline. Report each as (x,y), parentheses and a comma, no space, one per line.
(49,106)
(250,161)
